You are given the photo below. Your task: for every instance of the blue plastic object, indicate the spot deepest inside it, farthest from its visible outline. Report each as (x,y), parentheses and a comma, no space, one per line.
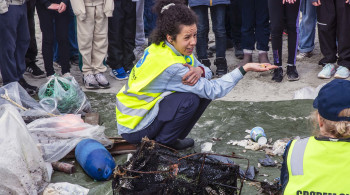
(95,159)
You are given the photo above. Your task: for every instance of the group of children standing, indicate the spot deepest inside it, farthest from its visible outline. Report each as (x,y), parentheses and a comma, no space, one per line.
(108,28)
(103,27)
(262,18)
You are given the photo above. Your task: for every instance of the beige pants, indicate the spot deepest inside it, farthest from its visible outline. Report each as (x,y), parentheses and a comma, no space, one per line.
(92,40)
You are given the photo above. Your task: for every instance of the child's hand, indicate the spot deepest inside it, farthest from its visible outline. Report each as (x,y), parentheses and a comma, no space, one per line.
(54,6)
(289,1)
(62,7)
(318,3)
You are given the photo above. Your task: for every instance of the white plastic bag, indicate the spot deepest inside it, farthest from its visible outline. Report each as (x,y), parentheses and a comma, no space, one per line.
(65,188)
(22,168)
(57,136)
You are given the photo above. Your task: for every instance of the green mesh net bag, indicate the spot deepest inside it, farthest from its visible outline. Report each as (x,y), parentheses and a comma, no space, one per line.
(68,96)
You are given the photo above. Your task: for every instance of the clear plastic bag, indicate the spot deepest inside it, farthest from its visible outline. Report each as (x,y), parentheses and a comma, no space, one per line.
(64,94)
(22,167)
(28,107)
(57,136)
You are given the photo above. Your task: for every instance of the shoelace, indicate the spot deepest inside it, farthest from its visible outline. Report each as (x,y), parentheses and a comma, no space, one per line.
(30,70)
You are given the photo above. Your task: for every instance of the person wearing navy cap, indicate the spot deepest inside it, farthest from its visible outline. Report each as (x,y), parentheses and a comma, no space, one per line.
(320,164)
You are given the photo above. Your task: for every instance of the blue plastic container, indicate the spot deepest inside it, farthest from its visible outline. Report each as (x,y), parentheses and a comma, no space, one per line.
(95,159)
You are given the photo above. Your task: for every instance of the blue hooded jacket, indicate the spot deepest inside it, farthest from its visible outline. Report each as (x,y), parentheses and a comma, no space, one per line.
(193,3)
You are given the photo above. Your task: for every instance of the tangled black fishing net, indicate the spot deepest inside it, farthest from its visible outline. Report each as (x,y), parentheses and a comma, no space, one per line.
(157,169)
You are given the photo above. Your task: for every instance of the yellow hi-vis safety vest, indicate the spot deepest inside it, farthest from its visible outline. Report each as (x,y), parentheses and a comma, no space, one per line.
(132,104)
(318,167)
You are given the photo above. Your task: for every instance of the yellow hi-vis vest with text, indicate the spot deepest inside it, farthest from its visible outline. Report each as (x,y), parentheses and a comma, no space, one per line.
(318,167)
(132,104)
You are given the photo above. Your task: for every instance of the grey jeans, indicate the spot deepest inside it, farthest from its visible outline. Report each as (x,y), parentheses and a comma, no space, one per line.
(140,32)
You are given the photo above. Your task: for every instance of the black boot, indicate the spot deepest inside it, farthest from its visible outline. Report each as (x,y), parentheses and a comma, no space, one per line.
(278,74)
(238,51)
(31,90)
(221,66)
(182,144)
(205,62)
(292,73)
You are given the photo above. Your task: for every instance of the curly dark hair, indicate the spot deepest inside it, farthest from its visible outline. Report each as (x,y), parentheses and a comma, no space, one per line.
(169,21)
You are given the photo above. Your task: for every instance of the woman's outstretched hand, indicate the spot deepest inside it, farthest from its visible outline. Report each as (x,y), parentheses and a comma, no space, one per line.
(192,76)
(256,67)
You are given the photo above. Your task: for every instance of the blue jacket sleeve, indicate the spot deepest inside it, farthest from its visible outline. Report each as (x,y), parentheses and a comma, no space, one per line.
(171,80)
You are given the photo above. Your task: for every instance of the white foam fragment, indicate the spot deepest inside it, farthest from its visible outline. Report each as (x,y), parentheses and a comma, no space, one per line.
(206,147)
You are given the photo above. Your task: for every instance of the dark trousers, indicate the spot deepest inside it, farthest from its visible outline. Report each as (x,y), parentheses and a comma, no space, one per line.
(72,35)
(217,13)
(121,35)
(284,15)
(149,18)
(255,25)
(32,51)
(234,21)
(49,20)
(178,113)
(14,39)
(333,18)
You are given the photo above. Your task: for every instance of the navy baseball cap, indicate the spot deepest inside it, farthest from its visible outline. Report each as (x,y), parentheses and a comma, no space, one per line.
(332,99)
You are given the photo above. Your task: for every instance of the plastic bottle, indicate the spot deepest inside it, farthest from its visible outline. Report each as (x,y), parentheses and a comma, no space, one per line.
(95,159)
(258,135)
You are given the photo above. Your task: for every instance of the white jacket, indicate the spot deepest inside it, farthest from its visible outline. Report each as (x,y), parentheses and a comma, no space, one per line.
(79,10)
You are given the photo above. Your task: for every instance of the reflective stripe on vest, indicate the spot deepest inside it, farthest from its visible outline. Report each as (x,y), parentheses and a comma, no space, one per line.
(296,163)
(318,167)
(133,103)
(136,112)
